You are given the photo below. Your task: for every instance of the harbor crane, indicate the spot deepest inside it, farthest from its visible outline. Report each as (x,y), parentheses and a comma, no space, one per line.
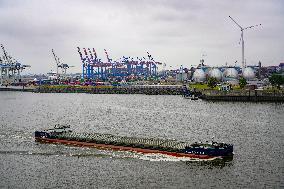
(242,38)
(63,67)
(124,67)
(10,69)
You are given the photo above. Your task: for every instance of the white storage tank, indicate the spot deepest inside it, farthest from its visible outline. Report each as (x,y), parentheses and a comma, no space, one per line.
(199,75)
(231,73)
(248,73)
(216,73)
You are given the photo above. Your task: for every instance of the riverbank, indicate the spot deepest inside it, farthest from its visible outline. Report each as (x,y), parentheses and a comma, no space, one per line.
(135,89)
(205,94)
(17,88)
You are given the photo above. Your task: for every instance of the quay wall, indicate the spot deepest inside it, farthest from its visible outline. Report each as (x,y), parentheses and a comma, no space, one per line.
(244,95)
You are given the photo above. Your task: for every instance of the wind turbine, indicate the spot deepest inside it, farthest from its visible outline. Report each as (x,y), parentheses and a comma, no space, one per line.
(242,39)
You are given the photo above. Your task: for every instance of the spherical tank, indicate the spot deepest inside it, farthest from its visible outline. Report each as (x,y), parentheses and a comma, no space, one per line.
(231,73)
(216,73)
(248,73)
(199,75)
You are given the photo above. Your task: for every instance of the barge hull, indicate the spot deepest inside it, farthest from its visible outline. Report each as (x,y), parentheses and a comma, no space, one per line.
(121,148)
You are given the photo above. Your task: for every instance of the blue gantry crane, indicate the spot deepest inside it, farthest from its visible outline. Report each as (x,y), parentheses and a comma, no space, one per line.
(94,68)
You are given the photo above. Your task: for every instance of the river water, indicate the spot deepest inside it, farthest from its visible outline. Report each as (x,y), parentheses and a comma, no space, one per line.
(255,129)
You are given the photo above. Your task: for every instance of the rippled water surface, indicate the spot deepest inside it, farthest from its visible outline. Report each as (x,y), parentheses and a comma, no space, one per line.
(255,129)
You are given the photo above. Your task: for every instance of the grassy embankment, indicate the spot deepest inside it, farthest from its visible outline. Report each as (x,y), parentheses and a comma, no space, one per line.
(201,86)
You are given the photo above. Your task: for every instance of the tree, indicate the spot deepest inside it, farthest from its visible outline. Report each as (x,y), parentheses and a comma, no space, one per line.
(242,82)
(212,82)
(276,80)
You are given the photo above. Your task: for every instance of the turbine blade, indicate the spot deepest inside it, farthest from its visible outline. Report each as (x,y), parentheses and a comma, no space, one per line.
(252,26)
(236,23)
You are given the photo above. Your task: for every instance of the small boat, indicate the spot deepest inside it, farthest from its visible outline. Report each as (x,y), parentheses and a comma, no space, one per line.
(192,97)
(64,135)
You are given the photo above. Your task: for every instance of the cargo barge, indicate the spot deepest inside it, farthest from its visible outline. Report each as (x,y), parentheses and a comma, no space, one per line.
(64,135)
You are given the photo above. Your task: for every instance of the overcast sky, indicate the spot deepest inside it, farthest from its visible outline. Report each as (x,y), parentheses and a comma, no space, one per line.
(175,32)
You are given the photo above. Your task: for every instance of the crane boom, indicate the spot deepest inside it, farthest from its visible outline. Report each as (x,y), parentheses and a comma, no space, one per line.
(55,57)
(108,59)
(95,55)
(56,61)
(5,54)
(91,55)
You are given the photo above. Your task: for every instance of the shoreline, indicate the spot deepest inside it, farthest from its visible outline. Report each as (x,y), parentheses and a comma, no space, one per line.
(208,95)
(147,90)
(17,88)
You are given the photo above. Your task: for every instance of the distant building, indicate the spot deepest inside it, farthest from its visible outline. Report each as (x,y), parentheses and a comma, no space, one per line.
(281,66)
(182,76)
(272,69)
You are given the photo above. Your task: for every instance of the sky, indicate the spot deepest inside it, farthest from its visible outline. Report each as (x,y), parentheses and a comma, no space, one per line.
(175,32)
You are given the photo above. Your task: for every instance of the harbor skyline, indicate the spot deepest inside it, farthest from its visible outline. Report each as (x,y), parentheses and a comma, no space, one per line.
(174,32)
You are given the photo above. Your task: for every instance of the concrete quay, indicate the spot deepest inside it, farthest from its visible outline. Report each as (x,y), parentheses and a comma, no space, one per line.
(244,95)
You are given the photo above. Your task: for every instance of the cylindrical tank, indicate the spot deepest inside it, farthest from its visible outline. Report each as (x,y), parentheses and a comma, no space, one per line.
(199,75)
(231,73)
(248,73)
(216,73)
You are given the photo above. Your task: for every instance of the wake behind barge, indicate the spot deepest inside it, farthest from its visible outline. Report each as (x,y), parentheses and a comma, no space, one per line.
(63,135)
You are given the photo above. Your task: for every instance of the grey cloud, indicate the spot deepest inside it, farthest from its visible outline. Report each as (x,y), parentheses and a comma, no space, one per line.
(175,31)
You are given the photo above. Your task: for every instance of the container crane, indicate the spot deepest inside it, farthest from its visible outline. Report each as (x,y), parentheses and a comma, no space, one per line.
(63,67)
(94,68)
(10,69)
